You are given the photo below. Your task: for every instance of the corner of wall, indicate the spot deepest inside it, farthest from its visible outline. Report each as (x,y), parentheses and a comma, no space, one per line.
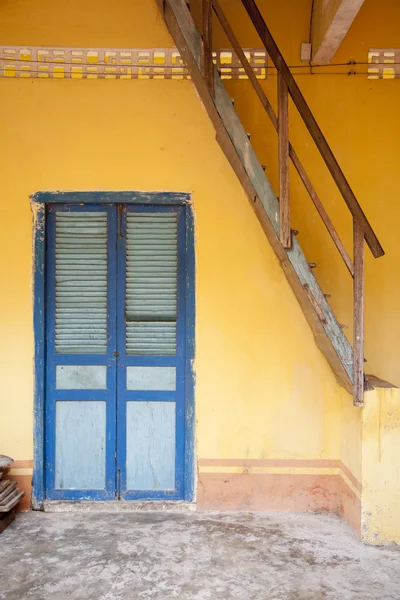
(380,515)
(351,463)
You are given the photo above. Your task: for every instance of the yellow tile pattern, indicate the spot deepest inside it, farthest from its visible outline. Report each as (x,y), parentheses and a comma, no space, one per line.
(379,60)
(113,63)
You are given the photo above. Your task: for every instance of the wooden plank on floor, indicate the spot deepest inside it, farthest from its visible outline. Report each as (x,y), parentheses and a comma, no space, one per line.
(6,488)
(12,500)
(6,519)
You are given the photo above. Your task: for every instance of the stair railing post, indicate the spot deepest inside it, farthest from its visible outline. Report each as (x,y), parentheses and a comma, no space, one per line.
(207,46)
(358,344)
(283,151)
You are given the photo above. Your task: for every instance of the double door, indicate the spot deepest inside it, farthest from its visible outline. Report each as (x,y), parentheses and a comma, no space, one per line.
(115,356)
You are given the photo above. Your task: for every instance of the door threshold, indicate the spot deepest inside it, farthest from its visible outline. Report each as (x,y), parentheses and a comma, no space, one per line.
(117,506)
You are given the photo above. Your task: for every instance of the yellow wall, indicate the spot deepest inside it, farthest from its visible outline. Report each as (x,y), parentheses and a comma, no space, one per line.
(84,23)
(263,389)
(380,472)
(351,438)
(361,121)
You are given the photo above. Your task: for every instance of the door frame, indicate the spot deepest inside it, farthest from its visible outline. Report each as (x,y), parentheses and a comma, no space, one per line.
(38,205)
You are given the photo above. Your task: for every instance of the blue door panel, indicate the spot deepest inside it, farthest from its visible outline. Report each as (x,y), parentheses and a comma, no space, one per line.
(129,450)
(94,430)
(115,417)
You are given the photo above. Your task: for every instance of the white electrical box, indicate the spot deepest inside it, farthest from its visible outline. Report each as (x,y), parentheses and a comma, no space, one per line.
(305,52)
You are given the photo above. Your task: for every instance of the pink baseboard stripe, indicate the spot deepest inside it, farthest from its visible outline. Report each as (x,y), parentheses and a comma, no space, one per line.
(304,485)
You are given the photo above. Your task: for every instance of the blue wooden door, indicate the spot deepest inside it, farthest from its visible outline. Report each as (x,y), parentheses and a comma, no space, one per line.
(151,335)
(115,326)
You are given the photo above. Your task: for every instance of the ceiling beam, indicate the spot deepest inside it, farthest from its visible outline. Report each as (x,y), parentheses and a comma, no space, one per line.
(331,20)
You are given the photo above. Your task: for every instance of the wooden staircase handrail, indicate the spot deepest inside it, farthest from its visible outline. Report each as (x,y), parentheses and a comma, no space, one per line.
(313,127)
(362,230)
(196,51)
(274,120)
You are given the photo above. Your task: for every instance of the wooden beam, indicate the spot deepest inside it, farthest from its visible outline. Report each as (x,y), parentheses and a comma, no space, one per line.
(207,45)
(358,344)
(283,154)
(331,20)
(321,210)
(244,62)
(312,126)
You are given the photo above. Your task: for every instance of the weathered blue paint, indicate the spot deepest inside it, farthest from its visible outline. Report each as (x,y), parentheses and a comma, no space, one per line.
(187,442)
(150,446)
(80,435)
(53,395)
(39,296)
(81,377)
(189,356)
(151,378)
(170,198)
(177,397)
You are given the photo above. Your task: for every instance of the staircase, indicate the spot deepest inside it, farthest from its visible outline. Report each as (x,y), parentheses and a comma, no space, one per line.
(274,216)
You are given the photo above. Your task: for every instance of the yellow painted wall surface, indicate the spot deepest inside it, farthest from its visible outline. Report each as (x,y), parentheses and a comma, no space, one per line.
(263,388)
(351,438)
(361,121)
(84,23)
(381,476)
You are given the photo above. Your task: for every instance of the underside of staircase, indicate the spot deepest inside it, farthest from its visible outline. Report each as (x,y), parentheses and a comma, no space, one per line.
(236,146)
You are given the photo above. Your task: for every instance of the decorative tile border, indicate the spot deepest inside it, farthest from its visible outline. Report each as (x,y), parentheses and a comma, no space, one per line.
(113,63)
(385,63)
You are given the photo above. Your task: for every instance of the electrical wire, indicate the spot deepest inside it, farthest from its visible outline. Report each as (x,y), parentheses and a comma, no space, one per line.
(169,70)
(102,74)
(81,64)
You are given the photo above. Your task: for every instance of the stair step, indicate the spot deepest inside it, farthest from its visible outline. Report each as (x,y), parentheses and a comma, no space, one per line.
(248,135)
(295,232)
(312,265)
(328,295)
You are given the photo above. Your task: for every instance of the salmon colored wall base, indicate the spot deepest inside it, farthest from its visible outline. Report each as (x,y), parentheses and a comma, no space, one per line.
(302,485)
(245,491)
(261,492)
(350,507)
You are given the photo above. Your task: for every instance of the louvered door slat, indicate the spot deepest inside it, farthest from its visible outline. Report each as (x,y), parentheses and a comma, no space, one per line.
(151,283)
(81,283)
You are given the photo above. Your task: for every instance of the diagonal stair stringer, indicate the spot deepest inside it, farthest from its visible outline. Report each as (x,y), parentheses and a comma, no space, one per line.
(236,146)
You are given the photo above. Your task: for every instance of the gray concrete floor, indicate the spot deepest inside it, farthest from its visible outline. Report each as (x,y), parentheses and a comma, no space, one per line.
(274,556)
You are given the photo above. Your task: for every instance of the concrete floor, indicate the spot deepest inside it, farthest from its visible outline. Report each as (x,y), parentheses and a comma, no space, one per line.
(275,556)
